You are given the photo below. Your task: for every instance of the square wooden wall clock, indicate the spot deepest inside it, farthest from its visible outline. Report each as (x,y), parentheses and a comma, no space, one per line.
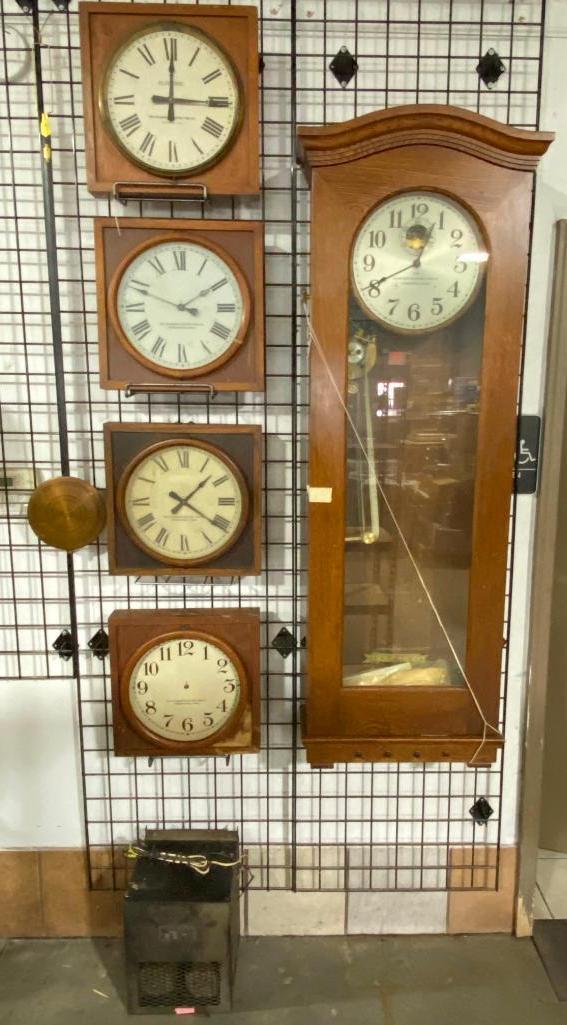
(180,303)
(170,98)
(183,499)
(185,682)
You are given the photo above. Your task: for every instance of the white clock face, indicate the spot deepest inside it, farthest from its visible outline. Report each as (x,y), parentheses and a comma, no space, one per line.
(180,306)
(417,262)
(171,99)
(184,688)
(184,503)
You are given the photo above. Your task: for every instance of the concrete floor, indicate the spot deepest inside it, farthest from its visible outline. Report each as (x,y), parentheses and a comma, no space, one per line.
(474,980)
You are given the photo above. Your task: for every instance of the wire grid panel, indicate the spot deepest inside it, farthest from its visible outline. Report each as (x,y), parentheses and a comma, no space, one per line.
(355,827)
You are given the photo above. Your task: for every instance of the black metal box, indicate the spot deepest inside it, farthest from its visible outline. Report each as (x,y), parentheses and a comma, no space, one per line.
(181,929)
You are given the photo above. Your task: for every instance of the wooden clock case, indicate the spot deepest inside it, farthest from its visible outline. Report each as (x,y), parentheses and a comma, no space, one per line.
(487,167)
(243,241)
(130,629)
(241,443)
(103,28)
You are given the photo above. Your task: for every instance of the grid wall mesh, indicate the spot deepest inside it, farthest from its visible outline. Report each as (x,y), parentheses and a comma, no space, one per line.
(352,827)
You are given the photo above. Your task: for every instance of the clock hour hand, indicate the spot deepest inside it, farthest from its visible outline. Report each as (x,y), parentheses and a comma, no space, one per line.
(203,292)
(185,501)
(171,98)
(212,101)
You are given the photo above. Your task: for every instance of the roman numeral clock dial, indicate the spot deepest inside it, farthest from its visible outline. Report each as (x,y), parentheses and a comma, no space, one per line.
(171,99)
(183,503)
(181,308)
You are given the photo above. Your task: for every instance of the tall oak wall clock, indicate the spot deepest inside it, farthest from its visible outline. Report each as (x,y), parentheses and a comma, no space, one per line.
(170,98)
(185,682)
(419,257)
(180,304)
(183,499)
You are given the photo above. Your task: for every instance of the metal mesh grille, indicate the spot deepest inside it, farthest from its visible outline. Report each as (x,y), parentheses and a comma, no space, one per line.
(185,983)
(360,827)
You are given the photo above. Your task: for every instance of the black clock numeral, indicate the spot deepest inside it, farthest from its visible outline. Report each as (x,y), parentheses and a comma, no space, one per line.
(168,720)
(229,686)
(456,236)
(202,267)
(150,669)
(130,124)
(139,286)
(170,46)
(146,53)
(393,304)
(229,500)
(185,647)
(140,501)
(194,57)
(436,307)
(396,217)
(222,662)
(454,289)
(172,151)
(211,76)
(147,145)
(220,480)
(378,239)
(141,329)
(145,522)
(419,209)
(187,725)
(125,101)
(414,312)
(460,267)
(206,348)
(183,544)
(146,479)
(180,259)
(162,537)
(159,347)
(222,706)
(181,353)
(135,308)
(129,73)
(151,708)
(183,456)
(373,288)
(212,127)
(165,654)
(160,461)
(207,538)
(220,330)
(218,101)
(196,145)
(218,284)
(368,262)
(442,220)
(141,687)
(157,265)
(226,308)
(208,719)
(222,523)
(207,461)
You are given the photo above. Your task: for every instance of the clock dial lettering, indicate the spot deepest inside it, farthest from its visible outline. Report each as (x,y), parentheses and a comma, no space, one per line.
(170,71)
(181,520)
(185,325)
(417,262)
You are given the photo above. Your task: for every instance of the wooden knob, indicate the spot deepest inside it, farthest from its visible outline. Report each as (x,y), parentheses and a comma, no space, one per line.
(66,513)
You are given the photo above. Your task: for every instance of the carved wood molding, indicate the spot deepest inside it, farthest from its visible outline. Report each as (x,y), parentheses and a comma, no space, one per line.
(421,124)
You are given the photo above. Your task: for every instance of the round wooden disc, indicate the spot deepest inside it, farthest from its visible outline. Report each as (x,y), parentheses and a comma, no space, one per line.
(66,513)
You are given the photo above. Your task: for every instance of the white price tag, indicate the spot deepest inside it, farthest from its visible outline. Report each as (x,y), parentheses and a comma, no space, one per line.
(321,495)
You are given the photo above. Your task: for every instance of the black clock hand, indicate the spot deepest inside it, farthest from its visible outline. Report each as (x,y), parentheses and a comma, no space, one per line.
(414,263)
(178,306)
(207,518)
(203,292)
(184,501)
(213,101)
(171,98)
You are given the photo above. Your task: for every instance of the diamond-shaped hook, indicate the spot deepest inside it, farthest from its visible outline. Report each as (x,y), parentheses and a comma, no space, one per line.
(343,66)
(99,644)
(64,645)
(284,642)
(481,811)
(490,68)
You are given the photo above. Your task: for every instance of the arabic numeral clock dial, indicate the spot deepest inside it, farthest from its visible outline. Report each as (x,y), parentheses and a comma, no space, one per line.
(180,307)
(183,688)
(171,99)
(418,262)
(183,502)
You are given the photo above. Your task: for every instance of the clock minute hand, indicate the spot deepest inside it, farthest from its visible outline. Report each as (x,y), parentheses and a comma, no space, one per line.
(205,517)
(380,281)
(184,101)
(185,501)
(171,98)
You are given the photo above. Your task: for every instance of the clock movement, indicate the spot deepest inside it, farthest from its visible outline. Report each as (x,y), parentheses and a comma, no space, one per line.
(180,304)
(170,96)
(183,499)
(185,682)
(415,324)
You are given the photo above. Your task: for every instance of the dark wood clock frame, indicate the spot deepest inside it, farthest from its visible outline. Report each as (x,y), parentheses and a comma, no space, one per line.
(103,28)
(241,242)
(237,630)
(488,167)
(240,444)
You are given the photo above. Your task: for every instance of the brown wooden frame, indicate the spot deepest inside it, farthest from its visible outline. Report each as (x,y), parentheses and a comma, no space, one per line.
(103,28)
(241,443)
(353,167)
(235,630)
(241,243)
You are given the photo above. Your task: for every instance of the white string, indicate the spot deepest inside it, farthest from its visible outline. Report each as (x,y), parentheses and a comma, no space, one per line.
(486,724)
